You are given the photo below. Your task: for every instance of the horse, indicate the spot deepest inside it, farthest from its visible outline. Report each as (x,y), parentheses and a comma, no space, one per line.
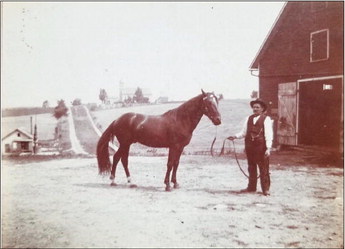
(172,129)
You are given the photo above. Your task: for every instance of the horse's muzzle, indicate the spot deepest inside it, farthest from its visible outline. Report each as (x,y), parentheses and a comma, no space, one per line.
(216,121)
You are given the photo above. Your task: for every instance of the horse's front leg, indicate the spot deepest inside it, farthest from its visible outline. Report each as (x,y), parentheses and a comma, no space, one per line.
(173,161)
(175,166)
(167,176)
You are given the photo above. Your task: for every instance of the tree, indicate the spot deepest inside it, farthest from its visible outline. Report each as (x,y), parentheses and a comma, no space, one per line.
(45,104)
(60,110)
(76,102)
(103,96)
(254,94)
(138,95)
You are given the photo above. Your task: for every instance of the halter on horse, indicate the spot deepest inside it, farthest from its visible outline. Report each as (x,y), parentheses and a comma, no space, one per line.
(172,130)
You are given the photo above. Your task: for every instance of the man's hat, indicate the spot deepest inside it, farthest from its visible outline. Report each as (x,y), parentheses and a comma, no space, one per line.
(259,101)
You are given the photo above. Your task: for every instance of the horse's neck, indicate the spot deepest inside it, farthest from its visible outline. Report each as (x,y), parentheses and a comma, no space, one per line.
(190,112)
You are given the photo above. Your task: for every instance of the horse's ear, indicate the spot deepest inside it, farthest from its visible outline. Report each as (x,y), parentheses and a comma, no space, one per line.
(203,93)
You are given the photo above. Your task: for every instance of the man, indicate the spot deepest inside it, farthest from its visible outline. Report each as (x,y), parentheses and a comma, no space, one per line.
(258,133)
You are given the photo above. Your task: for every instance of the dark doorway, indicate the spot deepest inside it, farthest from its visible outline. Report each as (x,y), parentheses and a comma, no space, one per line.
(320,112)
(24,146)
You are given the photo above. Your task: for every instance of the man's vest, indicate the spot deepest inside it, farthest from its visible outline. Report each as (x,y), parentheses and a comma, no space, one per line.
(256,132)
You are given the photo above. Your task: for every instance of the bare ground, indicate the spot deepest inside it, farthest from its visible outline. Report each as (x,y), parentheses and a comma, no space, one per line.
(64,203)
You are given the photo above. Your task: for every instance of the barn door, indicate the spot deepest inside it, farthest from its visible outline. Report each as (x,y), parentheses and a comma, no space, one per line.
(287,109)
(320,112)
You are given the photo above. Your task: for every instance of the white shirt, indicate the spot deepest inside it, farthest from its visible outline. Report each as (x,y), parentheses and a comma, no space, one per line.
(268,124)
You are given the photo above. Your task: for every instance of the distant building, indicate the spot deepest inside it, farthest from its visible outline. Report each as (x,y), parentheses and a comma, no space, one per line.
(161,100)
(17,141)
(130,92)
(113,101)
(110,100)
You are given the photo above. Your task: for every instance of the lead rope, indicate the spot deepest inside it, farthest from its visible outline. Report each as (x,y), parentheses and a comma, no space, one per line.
(214,140)
(222,152)
(238,163)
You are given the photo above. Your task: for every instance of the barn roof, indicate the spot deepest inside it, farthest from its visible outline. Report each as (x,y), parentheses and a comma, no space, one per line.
(22,131)
(274,30)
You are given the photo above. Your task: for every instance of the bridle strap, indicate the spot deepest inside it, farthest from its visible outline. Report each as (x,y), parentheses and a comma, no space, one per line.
(206,109)
(212,95)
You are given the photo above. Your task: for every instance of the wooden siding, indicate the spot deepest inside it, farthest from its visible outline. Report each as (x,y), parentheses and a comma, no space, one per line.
(286,54)
(289,51)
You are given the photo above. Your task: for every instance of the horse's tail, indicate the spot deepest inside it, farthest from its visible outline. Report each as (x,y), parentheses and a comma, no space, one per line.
(104,164)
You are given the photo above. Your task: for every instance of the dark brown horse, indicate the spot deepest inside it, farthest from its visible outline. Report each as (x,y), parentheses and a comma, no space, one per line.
(172,130)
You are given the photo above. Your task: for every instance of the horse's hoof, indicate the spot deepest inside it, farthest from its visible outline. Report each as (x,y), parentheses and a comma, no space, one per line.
(113,184)
(176,185)
(168,189)
(133,186)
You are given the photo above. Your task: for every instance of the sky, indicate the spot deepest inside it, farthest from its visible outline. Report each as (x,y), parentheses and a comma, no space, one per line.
(68,50)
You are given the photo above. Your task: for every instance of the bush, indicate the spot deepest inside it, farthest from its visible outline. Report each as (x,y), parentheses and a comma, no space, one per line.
(60,110)
(76,102)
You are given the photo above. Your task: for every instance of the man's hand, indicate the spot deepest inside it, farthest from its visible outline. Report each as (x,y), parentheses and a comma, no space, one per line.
(268,152)
(232,138)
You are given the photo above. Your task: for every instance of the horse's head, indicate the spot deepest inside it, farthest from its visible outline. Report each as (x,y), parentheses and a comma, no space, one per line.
(210,107)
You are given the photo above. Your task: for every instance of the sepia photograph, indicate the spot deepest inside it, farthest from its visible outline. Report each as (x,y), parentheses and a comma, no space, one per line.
(172,124)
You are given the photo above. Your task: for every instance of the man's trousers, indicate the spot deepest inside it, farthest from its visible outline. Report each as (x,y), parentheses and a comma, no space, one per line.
(255,151)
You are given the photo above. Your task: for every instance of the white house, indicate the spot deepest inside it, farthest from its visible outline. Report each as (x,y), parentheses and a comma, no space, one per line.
(17,141)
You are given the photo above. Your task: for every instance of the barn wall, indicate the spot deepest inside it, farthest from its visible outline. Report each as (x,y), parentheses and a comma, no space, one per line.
(289,51)
(287,57)
(268,89)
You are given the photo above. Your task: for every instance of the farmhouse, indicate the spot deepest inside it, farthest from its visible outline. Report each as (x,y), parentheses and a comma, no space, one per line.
(301,74)
(17,141)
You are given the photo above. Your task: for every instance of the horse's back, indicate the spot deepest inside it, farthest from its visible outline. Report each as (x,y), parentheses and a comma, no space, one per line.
(132,119)
(150,130)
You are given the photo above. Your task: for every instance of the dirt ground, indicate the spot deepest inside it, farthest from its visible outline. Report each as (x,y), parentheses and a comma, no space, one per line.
(64,203)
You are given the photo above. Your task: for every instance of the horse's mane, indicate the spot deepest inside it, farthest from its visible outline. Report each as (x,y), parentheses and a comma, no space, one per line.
(183,108)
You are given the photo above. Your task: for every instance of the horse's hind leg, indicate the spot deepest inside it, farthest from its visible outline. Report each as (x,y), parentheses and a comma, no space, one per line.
(116,159)
(124,160)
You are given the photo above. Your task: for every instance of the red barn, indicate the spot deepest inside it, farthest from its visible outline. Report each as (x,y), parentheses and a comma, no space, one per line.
(301,74)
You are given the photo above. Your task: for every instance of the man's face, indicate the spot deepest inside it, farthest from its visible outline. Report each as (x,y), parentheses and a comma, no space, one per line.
(257,109)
